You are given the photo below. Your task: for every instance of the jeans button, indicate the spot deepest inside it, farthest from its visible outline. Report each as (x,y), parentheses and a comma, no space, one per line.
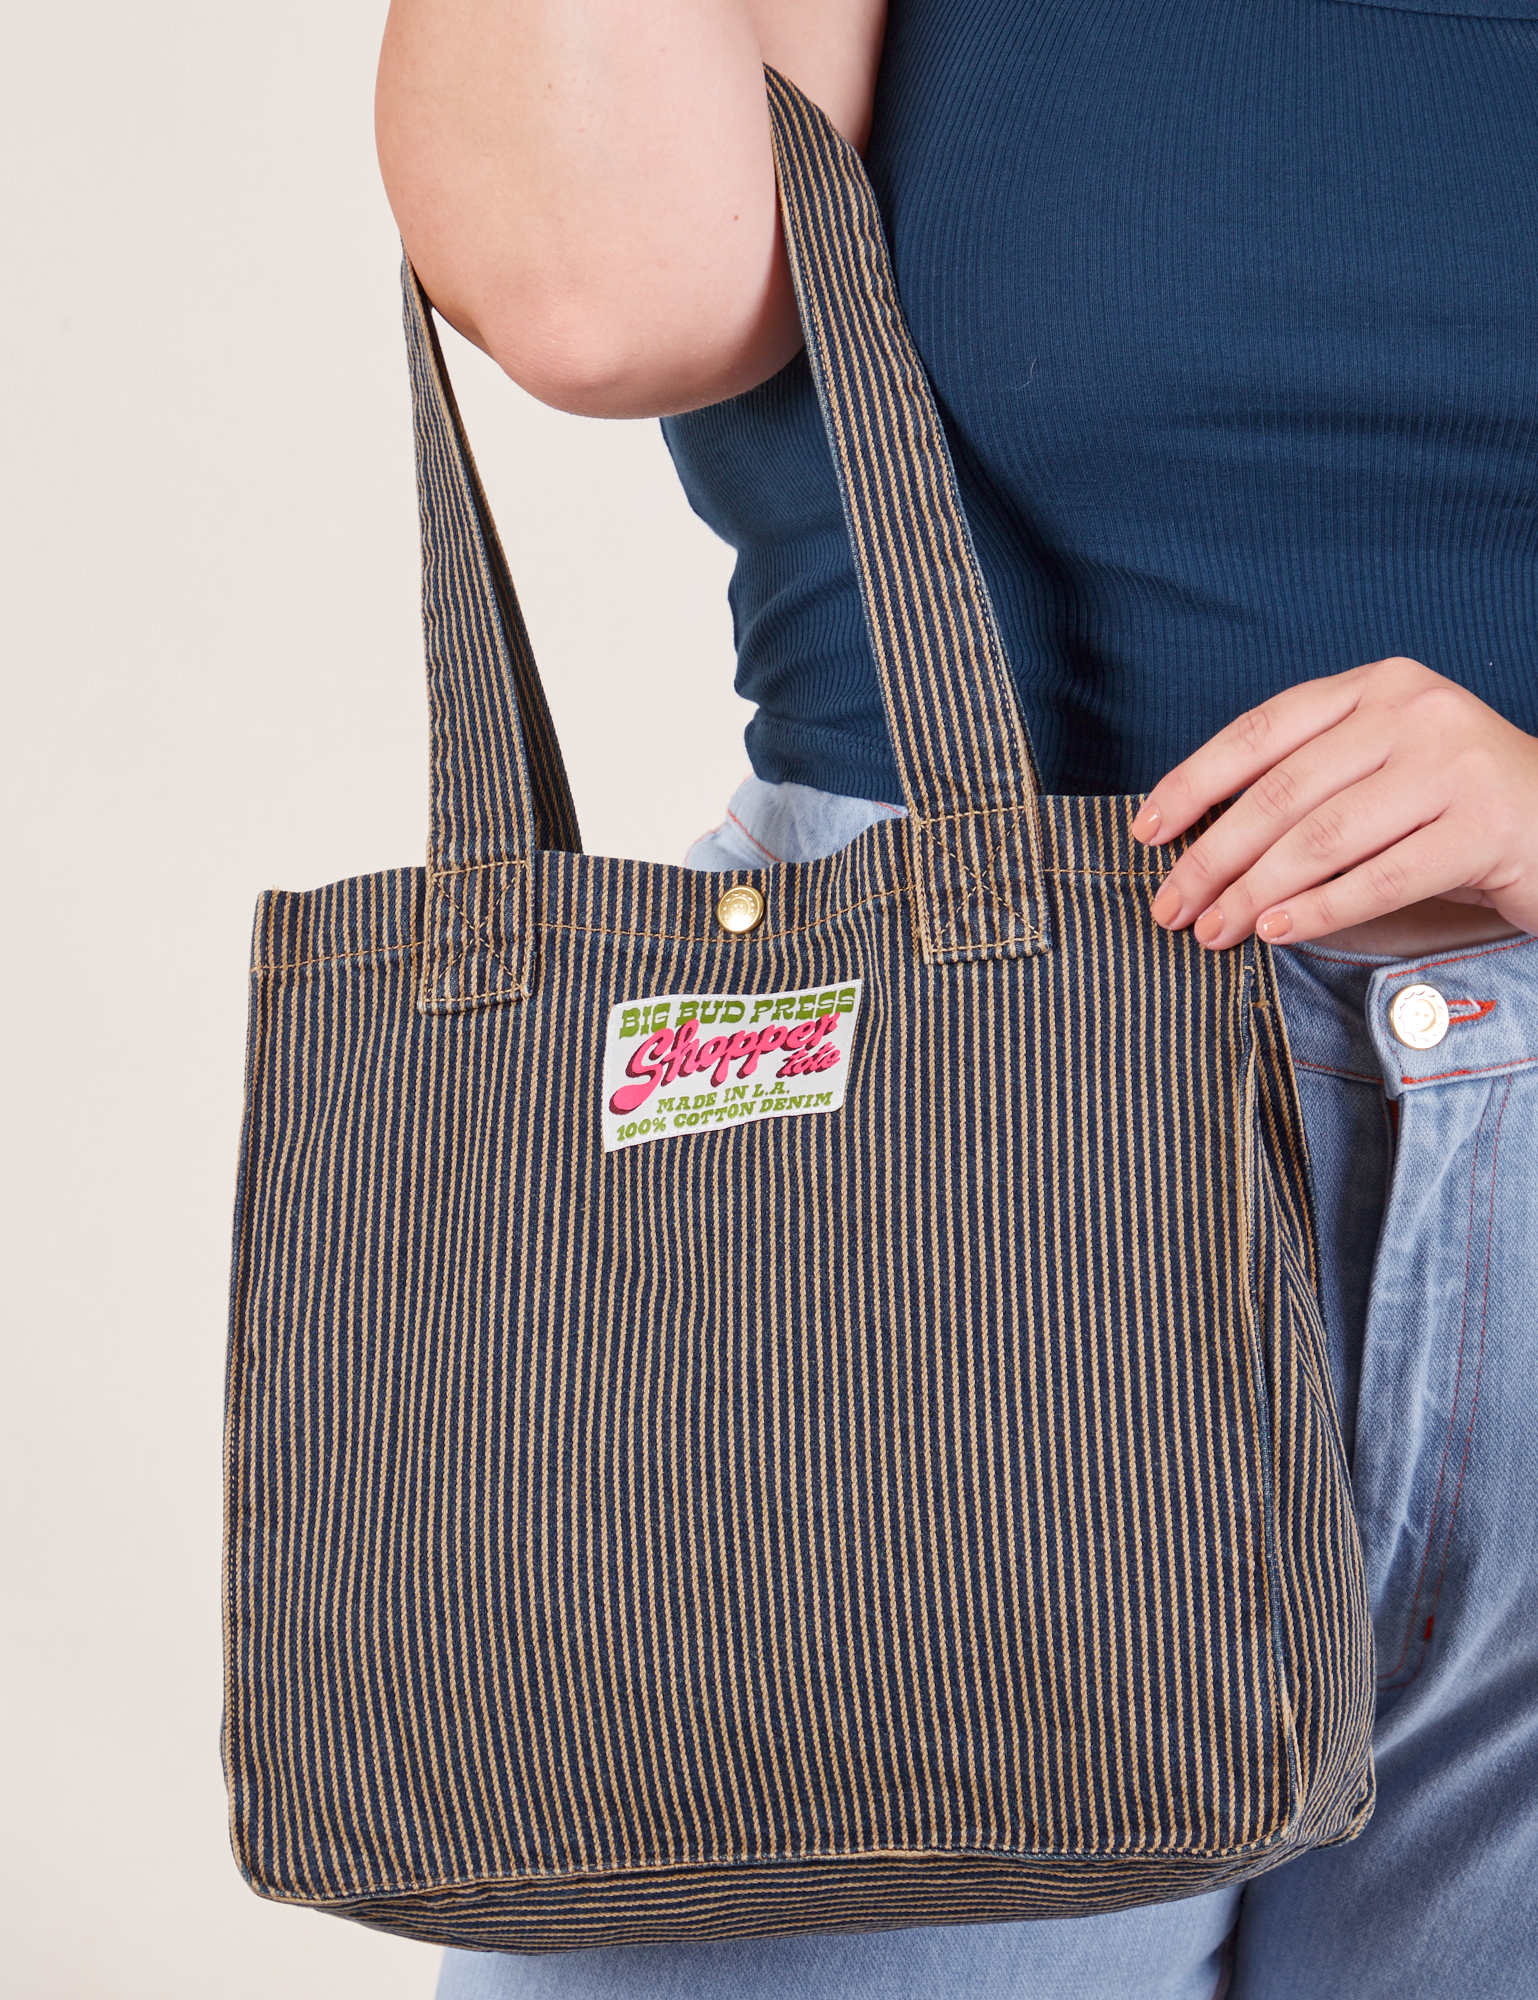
(1418,1016)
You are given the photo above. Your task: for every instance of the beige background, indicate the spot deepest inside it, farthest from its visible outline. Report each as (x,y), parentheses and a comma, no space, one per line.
(213,683)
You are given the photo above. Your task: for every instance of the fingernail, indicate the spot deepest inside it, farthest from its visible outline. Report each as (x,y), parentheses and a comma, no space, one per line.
(1146,825)
(1209,926)
(1166,905)
(1274,925)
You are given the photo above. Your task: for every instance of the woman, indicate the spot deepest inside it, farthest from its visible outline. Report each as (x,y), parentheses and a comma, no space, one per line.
(1228,311)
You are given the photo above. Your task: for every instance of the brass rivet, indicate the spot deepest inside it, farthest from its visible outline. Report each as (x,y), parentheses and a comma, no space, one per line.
(1418,1016)
(740,909)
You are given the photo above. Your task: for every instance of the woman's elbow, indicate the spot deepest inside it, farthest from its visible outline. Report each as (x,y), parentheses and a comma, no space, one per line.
(581,355)
(596,354)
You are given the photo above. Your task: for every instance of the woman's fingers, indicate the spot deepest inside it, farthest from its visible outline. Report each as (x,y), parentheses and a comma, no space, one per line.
(1375,888)
(1255,743)
(1362,825)
(1277,803)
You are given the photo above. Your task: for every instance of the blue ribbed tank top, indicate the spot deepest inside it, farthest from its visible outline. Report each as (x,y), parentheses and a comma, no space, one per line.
(1231,312)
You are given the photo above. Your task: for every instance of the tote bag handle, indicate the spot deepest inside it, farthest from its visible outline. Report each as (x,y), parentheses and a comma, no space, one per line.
(957,732)
(499,788)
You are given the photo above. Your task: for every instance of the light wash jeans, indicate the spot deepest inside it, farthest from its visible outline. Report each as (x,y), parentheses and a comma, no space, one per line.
(1425,1170)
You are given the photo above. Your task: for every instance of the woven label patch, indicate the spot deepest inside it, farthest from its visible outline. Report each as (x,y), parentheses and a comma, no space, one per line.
(691,1062)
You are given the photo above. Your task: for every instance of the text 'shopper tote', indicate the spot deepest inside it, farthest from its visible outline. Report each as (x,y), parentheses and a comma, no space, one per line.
(820,1424)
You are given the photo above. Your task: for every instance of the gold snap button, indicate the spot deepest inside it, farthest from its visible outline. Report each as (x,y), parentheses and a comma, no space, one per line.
(1418,1016)
(740,909)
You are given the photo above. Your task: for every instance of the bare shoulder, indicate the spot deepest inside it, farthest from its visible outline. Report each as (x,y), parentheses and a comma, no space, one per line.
(586,187)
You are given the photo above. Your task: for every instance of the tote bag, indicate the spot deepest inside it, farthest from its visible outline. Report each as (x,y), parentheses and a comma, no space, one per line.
(785,1401)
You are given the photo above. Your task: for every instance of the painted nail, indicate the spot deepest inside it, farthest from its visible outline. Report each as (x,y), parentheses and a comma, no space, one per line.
(1166,905)
(1273,926)
(1146,825)
(1209,926)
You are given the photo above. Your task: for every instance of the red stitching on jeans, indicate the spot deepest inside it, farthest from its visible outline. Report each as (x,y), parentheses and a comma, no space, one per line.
(1485,1069)
(1385,1680)
(1507,944)
(1404,966)
(1452,1415)
(748,834)
(1479,1369)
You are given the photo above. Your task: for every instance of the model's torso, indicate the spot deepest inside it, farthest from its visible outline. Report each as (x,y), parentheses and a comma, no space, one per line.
(1229,309)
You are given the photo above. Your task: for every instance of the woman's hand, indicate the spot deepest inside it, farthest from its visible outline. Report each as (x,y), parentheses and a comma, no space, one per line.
(1365,793)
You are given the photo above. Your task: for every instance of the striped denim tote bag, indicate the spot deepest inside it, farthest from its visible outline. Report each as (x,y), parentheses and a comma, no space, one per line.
(778,1401)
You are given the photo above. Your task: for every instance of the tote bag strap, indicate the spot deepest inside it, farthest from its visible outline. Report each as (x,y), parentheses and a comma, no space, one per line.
(499,788)
(957,732)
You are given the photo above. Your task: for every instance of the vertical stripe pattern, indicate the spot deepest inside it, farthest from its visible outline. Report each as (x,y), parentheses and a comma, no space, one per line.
(960,742)
(499,788)
(928,1512)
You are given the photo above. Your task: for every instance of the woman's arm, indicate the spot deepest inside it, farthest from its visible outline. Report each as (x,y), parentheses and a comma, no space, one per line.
(586,188)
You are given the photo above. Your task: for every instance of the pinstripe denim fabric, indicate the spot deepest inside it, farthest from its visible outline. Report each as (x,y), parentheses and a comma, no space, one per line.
(1431,1276)
(929,1511)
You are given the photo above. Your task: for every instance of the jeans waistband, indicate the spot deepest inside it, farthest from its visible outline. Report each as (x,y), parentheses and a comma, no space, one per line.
(1341,1018)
